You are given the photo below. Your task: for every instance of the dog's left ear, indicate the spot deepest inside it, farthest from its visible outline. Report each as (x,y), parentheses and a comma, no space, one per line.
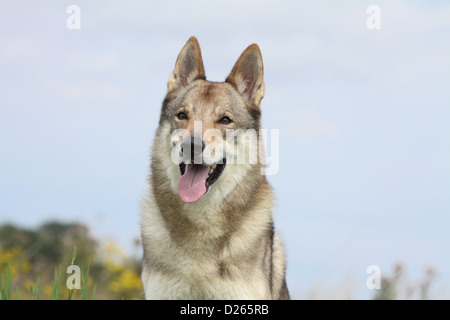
(247,75)
(189,66)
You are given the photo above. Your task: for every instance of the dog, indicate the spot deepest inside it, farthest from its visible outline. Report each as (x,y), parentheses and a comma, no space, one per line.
(206,222)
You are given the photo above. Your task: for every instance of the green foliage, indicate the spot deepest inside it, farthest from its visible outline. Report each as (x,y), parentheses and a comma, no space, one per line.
(85,281)
(33,290)
(33,264)
(397,286)
(6,284)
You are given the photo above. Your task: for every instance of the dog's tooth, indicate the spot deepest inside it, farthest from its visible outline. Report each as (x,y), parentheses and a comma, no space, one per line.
(214,166)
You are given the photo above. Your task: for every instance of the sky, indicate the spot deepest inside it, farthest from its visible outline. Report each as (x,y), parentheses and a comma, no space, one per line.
(363,118)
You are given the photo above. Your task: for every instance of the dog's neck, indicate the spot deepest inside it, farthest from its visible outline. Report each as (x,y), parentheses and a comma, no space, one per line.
(212,217)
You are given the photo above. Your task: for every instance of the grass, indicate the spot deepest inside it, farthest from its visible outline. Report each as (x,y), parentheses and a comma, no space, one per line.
(6,284)
(58,292)
(85,286)
(95,269)
(33,291)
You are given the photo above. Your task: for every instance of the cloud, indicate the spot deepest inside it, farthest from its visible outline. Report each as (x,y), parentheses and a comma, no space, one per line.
(94,62)
(89,90)
(310,125)
(71,90)
(17,48)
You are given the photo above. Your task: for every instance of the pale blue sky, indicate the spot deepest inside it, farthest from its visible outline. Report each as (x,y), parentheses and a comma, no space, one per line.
(364,119)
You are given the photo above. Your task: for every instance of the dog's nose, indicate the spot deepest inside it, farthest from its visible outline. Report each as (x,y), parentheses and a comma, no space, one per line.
(192,148)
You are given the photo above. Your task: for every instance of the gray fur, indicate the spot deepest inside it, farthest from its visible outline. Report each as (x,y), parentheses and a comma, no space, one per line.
(223,246)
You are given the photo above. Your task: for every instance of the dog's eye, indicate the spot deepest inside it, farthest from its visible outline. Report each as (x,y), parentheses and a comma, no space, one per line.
(181,116)
(225,120)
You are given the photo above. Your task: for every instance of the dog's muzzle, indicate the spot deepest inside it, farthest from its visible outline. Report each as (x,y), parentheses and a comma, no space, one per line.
(196,176)
(192,149)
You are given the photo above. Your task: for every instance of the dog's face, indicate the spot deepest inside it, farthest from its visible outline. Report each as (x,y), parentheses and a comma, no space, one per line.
(213,125)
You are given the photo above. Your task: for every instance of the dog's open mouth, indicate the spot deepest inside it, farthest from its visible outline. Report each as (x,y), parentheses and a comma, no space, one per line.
(196,179)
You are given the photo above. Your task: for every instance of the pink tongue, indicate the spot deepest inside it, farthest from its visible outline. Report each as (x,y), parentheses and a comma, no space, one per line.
(191,186)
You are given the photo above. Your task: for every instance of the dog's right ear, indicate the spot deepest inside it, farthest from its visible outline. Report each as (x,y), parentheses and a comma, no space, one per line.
(189,66)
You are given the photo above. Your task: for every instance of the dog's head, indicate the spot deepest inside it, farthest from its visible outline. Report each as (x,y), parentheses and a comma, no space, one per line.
(214,125)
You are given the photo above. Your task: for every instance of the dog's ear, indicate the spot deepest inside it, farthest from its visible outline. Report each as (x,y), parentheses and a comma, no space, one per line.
(247,75)
(189,66)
